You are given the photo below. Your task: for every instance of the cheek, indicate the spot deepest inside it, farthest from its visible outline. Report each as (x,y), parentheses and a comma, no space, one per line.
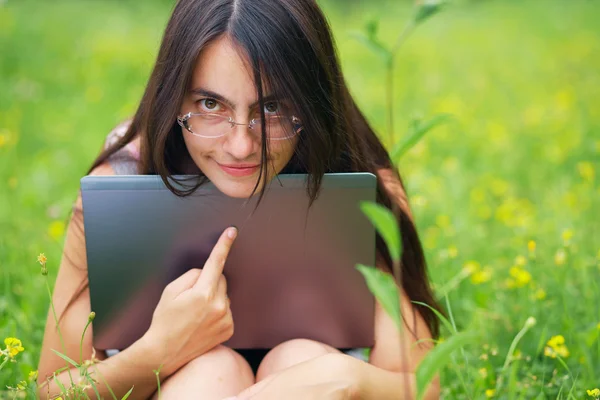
(197,148)
(282,153)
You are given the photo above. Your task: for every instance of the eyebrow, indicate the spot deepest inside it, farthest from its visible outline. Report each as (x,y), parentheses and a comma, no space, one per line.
(217,96)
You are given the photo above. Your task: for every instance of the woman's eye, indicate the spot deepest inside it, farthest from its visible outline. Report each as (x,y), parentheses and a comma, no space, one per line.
(271,107)
(209,104)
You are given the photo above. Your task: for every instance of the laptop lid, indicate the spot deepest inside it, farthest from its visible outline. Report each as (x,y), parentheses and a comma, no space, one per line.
(290,273)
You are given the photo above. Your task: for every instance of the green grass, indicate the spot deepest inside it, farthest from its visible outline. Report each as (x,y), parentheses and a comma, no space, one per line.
(519,162)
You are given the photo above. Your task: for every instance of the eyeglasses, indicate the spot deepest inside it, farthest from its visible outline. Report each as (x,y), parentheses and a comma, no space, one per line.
(210,126)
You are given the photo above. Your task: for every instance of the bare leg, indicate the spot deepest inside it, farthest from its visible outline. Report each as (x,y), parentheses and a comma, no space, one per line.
(218,374)
(290,353)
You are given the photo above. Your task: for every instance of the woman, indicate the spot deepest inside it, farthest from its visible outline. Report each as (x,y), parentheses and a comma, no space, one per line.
(243,90)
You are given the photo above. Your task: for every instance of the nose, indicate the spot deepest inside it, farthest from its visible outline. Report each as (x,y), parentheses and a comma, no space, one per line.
(241,143)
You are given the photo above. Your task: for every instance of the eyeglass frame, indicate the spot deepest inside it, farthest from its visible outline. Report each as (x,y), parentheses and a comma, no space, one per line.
(182,120)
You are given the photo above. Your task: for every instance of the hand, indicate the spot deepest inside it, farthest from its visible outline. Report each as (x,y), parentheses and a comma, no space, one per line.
(193,314)
(331,376)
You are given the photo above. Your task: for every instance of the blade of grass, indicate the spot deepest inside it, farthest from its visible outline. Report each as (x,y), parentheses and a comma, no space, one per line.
(438,357)
(67,359)
(127,394)
(385,223)
(385,289)
(444,320)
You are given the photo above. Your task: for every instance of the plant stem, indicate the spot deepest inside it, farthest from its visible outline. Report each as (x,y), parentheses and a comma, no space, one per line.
(62,342)
(511,350)
(81,342)
(390,77)
(462,350)
(158,383)
(3,363)
(106,383)
(389,93)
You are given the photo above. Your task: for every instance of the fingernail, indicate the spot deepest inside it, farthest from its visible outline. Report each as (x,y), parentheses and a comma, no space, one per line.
(232,232)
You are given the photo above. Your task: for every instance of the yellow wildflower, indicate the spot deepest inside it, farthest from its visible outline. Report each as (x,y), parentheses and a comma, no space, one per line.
(2,140)
(482,276)
(520,261)
(520,276)
(531,245)
(33,375)
(22,386)
(472,266)
(556,341)
(483,372)
(540,294)
(443,221)
(452,252)
(594,392)
(586,170)
(556,346)
(560,257)
(598,326)
(567,235)
(13,346)
(42,259)
(490,393)
(56,230)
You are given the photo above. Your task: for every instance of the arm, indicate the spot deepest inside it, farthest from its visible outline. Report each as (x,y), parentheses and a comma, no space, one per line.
(171,341)
(395,357)
(72,306)
(390,374)
(131,367)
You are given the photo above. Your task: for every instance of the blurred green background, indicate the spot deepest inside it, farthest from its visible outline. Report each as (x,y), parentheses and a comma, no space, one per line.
(505,194)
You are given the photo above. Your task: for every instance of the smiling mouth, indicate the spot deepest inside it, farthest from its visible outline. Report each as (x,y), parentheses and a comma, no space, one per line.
(240,170)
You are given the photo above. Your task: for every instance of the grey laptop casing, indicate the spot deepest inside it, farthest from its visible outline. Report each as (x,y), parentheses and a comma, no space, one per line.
(290,273)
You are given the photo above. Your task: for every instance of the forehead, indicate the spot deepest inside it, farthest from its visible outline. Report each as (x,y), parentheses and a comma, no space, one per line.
(223,68)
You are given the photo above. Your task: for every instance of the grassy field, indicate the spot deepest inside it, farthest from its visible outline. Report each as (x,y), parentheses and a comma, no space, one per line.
(506,194)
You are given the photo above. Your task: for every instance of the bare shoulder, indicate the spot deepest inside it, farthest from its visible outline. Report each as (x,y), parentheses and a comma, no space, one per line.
(102,169)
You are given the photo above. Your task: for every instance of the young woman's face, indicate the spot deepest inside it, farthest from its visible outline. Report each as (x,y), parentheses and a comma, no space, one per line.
(222,84)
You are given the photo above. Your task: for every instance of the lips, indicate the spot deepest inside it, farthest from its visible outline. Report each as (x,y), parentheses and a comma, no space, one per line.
(239,169)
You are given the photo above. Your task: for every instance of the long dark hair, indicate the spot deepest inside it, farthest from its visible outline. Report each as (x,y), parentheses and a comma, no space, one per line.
(290,49)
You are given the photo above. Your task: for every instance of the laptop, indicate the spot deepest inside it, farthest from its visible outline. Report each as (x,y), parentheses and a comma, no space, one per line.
(290,273)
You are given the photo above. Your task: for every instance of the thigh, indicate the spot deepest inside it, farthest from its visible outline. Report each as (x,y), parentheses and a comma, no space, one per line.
(218,374)
(290,353)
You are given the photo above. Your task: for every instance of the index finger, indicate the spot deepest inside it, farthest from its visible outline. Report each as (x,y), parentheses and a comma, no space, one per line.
(213,268)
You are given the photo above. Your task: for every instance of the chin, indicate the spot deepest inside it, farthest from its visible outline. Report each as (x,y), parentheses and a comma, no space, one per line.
(240,189)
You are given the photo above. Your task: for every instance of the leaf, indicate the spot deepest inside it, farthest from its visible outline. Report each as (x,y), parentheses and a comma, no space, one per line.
(91,381)
(60,385)
(371,28)
(385,223)
(438,357)
(385,289)
(418,130)
(373,45)
(426,9)
(127,394)
(67,359)
(447,323)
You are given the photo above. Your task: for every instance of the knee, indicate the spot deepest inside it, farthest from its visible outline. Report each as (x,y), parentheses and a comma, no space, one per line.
(220,372)
(290,353)
(221,358)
